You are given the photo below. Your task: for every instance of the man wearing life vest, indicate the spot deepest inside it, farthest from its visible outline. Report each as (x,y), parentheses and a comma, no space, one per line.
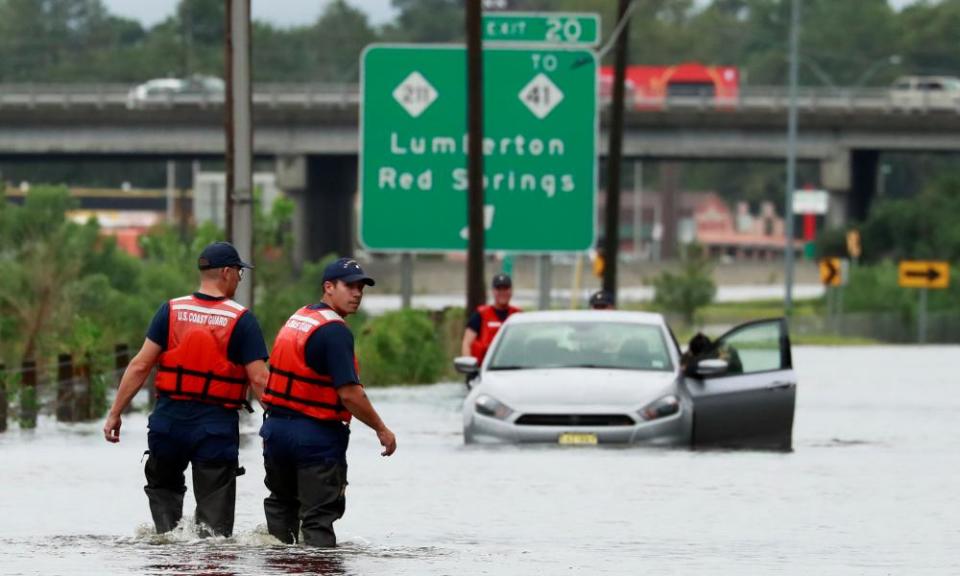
(485,322)
(209,351)
(312,394)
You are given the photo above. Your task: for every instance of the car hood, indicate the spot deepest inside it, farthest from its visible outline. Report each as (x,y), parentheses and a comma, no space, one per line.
(589,390)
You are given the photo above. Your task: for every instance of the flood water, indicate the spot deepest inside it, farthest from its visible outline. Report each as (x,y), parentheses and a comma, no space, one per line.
(870,488)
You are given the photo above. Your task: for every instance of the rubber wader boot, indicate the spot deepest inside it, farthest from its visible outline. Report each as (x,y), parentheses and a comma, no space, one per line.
(215,486)
(165,489)
(322,490)
(281,507)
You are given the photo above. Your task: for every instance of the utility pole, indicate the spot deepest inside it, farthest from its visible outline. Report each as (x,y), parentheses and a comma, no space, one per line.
(791,157)
(240,140)
(476,294)
(614,155)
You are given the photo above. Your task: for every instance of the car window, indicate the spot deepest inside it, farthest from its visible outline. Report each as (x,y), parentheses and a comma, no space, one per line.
(618,345)
(754,348)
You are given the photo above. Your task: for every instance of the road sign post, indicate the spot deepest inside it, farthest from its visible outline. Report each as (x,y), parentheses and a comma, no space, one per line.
(922,317)
(925,275)
(834,274)
(539,148)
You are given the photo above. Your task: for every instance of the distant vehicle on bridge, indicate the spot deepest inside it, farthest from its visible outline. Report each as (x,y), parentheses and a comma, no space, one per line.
(650,87)
(169,91)
(925,92)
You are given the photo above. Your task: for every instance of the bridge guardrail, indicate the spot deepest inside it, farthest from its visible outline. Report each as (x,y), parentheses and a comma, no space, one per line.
(749,99)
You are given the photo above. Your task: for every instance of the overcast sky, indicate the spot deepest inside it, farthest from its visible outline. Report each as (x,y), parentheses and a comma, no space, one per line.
(280,12)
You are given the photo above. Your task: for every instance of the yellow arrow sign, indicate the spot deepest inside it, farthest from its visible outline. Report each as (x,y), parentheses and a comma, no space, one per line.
(924,274)
(831,272)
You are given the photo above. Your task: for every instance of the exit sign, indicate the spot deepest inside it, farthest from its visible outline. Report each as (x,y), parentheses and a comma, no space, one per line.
(553,28)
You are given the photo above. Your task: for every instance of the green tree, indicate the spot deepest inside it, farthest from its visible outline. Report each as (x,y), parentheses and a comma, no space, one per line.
(336,41)
(689,290)
(427,21)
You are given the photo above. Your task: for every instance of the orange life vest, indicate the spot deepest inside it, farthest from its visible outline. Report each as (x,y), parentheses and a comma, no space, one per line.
(489,326)
(293,384)
(195,365)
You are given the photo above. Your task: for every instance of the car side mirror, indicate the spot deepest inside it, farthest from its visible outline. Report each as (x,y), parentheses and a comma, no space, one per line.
(710,367)
(466,365)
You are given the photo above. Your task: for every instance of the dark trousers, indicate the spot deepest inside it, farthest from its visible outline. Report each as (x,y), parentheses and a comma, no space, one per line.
(306,473)
(212,448)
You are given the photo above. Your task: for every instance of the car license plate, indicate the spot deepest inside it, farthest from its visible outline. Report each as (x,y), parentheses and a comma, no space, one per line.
(577,439)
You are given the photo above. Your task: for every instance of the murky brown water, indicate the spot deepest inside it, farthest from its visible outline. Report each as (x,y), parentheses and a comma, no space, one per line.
(871,488)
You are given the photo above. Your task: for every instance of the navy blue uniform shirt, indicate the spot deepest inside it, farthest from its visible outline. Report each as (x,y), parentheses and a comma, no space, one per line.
(246,345)
(474,322)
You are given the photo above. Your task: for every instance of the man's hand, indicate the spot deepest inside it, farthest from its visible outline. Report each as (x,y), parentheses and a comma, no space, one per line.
(111,429)
(387,440)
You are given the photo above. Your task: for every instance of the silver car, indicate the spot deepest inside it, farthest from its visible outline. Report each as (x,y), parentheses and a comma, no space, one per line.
(597,377)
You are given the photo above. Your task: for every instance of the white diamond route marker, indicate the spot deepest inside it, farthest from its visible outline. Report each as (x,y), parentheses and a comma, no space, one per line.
(415,94)
(541,96)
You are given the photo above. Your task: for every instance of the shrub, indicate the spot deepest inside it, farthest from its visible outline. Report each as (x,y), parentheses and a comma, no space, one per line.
(689,290)
(400,347)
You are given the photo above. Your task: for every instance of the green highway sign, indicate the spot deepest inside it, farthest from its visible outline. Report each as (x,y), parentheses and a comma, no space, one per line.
(540,157)
(557,28)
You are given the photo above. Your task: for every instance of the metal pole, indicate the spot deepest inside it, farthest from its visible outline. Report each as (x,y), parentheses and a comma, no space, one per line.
(406,279)
(614,154)
(840,310)
(577,282)
(637,207)
(791,157)
(242,161)
(544,277)
(171,191)
(922,317)
(228,127)
(476,294)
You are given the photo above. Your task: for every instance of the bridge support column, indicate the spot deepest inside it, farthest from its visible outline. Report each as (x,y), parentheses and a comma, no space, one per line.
(323,189)
(669,198)
(835,177)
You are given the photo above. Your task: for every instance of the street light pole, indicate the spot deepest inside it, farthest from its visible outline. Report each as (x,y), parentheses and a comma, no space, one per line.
(791,157)
(240,141)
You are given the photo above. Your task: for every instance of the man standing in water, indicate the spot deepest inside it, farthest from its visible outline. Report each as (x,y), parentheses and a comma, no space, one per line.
(485,322)
(313,392)
(209,350)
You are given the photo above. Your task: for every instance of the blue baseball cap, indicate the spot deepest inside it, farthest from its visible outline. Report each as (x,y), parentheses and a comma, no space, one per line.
(220,255)
(601,299)
(346,270)
(501,281)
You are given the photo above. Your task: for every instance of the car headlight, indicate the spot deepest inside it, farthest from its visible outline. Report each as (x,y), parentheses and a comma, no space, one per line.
(666,406)
(490,406)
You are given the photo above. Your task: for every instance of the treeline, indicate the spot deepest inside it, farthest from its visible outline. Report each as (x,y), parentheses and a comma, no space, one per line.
(67,289)
(843,43)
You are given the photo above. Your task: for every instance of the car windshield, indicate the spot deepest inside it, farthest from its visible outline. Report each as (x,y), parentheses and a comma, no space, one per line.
(617,345)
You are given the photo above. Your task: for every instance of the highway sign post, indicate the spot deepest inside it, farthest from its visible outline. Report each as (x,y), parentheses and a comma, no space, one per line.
(834,274)
(540,131)
(553,28)
(925,275)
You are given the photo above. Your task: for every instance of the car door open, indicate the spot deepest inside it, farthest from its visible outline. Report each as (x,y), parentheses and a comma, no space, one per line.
(744,390)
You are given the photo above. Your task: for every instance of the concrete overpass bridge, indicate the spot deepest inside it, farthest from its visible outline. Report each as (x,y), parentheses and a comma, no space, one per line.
(312,130)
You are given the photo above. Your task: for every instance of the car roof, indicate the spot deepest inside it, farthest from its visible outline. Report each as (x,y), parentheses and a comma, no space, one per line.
(616,316)
(171,82)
